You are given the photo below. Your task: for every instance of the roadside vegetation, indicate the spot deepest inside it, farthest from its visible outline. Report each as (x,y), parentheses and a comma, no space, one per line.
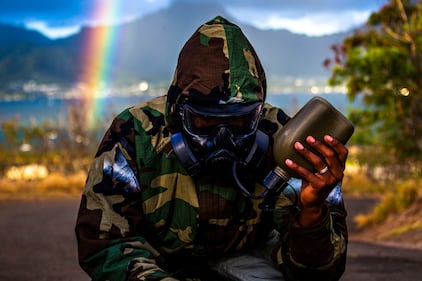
(380,66)
(45,159)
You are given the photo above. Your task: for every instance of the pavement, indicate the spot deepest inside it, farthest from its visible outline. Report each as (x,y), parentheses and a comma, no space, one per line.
(38,243)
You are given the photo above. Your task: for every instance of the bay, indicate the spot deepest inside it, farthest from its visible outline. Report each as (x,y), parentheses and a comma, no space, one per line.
(36,111)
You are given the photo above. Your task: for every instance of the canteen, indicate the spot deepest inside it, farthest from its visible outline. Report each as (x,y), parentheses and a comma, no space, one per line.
(316,118)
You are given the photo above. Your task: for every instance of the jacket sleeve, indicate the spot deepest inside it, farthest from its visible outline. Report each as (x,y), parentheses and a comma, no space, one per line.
(110,242)
(317,252)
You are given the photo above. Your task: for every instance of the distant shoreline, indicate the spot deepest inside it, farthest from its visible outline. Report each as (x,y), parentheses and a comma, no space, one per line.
(38,106)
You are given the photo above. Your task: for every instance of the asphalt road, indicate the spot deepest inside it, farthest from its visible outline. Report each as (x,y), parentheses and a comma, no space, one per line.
(38,243)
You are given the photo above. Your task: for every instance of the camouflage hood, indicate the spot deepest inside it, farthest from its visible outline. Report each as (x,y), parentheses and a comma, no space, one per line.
(217,65)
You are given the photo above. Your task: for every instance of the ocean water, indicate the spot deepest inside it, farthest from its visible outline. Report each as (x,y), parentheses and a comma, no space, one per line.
(56,110)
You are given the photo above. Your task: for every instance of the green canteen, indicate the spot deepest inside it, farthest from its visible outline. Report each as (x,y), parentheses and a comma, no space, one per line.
(316,118)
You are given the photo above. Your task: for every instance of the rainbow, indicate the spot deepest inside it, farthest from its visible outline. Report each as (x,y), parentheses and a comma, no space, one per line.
(97,54)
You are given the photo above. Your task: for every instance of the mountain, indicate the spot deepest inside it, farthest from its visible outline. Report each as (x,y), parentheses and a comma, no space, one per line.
(147,49)
(11,35)
(29,55)
(287,54)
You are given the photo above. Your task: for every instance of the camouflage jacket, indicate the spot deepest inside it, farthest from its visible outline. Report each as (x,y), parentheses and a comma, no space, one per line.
(142,217)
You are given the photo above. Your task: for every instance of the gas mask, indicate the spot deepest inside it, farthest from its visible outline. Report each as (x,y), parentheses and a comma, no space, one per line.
(216,138)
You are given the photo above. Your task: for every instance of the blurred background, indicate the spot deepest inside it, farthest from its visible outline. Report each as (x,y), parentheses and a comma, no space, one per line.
(67,68)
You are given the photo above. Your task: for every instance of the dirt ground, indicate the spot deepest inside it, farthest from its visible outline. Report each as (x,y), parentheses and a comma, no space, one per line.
(38,243)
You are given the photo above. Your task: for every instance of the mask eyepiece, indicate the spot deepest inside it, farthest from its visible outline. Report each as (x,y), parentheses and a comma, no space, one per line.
(214,138)
(241,119)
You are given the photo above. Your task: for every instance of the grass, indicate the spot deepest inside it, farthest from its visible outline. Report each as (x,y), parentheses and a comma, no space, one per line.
(394,201)
(54,185)
(403,229)
(356,182)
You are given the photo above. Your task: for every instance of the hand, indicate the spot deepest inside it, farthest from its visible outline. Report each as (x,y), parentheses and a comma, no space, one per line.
(317,186)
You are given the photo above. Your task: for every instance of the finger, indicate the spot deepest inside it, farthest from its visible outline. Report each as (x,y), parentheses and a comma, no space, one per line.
(319,182)
(340,148)
(309,155)
(305,173)
(330,154)
(324,170)
(334,154)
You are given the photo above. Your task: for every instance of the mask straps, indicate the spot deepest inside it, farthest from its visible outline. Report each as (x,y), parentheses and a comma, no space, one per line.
(185,154)
(193,166)
(253,159)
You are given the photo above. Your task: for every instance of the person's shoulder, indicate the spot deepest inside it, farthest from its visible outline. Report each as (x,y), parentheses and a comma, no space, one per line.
(147,113)
(275,114)
(156,104)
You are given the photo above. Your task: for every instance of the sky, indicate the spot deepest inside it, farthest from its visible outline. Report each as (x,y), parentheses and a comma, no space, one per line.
(57,19)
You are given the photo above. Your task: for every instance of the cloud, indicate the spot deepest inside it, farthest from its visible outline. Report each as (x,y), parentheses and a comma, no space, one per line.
(73,12)
(299,6)
(55,18)
(53,32)
(62,18)
(315,24)
(19,11)
(76,11)
(304,16)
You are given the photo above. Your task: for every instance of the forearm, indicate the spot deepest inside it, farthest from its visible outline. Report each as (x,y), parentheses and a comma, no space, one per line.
(313,253)
(125,260)
(107,251)
(313,244)
(311,216)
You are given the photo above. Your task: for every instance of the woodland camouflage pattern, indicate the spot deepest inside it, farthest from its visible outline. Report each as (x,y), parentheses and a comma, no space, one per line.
(217,65)
(142,217)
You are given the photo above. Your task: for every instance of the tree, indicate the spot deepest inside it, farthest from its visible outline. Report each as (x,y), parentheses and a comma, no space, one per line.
(381,65)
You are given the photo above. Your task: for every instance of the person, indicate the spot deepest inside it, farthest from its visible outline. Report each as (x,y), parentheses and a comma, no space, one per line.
(162,198)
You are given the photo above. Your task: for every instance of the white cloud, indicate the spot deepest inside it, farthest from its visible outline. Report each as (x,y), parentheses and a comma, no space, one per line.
(300,16)
(52,32)
(314,24)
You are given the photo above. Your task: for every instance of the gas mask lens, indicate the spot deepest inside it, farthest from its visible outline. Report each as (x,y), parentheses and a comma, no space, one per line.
(240,119)
(217,138)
